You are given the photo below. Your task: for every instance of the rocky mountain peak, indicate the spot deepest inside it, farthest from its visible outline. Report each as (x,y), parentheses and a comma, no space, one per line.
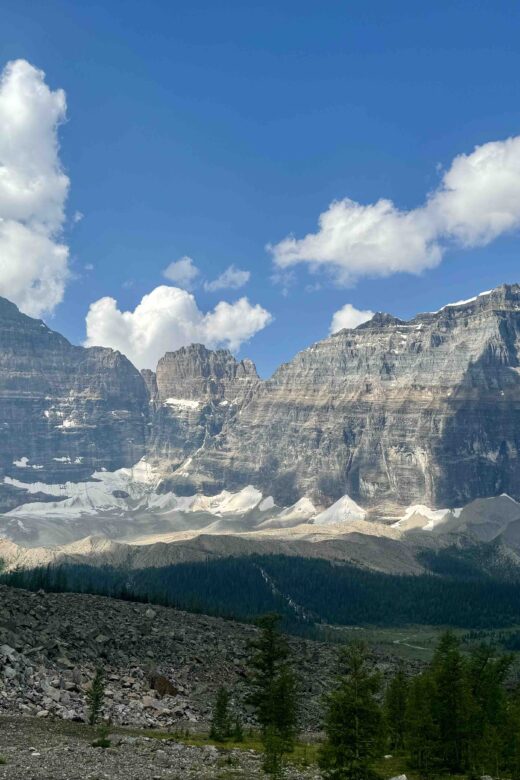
(197,373)
(380,320)
(195,391)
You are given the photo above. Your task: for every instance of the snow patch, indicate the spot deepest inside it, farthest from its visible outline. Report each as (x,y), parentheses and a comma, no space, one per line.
(125,490)
(342,511)
(302,510)
(435,517)
(69,423)
(91,497)
(228,503)
(463,303)
(23,463)
(182,403)
(169,502)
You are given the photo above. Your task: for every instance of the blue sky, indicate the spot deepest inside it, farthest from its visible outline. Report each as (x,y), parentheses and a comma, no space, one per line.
(210,130)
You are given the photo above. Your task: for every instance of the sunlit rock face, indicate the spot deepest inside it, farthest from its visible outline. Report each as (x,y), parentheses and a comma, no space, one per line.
(193,393)
(391,413)
(65,411)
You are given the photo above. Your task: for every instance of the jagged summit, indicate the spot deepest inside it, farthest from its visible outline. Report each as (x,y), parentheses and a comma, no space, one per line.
(195,371)
(195,391)
(380,320)
(9,309)
(505,297)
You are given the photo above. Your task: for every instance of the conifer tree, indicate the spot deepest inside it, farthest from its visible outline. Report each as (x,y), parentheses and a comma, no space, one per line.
(459,717)
(487,672)
(273,692)
(511,745)
(95,696)
(221,721)
(395,707)
(421,735)
(353,721)
(451,704)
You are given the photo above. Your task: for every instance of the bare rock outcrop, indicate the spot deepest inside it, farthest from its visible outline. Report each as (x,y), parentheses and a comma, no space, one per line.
(194,392)
(392,412)
(65,411)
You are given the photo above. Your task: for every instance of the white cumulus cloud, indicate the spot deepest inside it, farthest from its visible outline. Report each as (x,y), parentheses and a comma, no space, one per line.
(169,318)
(349,317)
(182,272)
(232,279)
(33,190)
(477,200)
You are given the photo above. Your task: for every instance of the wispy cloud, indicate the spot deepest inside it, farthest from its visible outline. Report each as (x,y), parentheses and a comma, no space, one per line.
(183,272)
(231,279)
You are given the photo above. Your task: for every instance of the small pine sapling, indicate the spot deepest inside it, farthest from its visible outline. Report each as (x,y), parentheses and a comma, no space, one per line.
(95,697)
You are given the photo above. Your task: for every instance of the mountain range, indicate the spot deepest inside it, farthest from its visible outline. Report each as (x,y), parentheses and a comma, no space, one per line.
(390,434)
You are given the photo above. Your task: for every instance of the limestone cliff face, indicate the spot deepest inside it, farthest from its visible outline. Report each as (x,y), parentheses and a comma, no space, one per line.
(194,392)
(64,410)
(393,412)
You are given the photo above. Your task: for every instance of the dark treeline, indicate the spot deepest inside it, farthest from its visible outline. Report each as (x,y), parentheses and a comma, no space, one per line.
(474,562)
(329,593)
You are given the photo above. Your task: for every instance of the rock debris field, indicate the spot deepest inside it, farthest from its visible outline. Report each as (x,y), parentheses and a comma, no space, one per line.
(50,646)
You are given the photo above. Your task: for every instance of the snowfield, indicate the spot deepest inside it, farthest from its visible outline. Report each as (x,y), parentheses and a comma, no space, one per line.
(131,505)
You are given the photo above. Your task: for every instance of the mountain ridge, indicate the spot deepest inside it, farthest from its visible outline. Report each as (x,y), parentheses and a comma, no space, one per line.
(392,413)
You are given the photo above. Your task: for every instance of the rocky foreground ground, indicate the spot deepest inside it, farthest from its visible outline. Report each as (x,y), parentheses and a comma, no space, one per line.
(35,749)
(50,646)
